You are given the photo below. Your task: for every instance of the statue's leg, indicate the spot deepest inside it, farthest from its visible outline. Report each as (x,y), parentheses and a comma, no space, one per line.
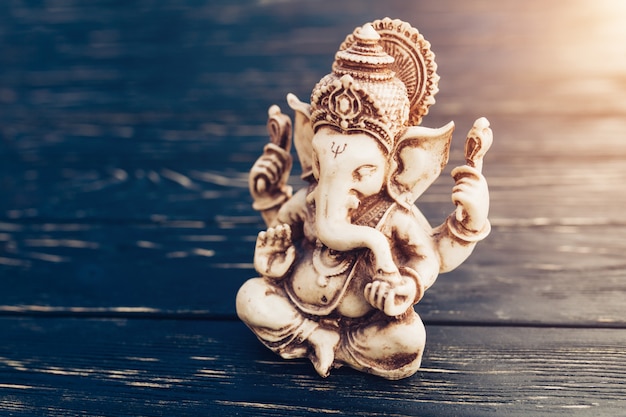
(387,347)
(265,308)
(268,312)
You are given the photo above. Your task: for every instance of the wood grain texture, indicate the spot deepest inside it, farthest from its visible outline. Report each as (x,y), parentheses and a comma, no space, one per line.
(190,267)
(165,367)
(116,117)
(126,133)
(125,149)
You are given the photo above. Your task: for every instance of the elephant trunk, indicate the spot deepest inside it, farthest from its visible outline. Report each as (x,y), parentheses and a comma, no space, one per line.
(335,228)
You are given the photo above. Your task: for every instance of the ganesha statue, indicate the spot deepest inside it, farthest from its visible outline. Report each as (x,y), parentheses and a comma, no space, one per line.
(345,258)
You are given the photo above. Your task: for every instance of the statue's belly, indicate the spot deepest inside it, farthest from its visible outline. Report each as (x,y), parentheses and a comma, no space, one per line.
(324,281)
(354,304)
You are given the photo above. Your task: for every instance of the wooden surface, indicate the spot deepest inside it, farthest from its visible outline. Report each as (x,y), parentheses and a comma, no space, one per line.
(126,132)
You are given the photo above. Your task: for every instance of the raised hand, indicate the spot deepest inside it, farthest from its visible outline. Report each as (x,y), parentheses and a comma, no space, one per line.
(269,174)
(470,193)
(274,253)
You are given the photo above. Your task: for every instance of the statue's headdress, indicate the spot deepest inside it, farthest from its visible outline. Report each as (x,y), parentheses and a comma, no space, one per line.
(383,80)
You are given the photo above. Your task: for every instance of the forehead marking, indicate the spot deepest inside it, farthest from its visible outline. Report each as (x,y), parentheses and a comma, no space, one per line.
(335,149)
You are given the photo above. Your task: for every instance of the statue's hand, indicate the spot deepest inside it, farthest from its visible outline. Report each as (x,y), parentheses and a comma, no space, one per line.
(470,193)
(274,253)
(391,295)
(471,196)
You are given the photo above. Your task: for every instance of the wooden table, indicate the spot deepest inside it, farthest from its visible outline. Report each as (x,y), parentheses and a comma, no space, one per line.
(126,132)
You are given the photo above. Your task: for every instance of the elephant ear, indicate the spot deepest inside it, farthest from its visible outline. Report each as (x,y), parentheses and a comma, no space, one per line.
(419,157)
(303,135)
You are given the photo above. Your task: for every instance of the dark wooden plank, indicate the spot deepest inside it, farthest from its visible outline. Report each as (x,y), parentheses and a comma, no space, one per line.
(557,243)
(542,177)
(57,367)
(526,272)
(124,144)
(163,266)
(99,121)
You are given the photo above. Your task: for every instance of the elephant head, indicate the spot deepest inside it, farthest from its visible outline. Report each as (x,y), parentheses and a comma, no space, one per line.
(363,151)
(355,173)
(349,170)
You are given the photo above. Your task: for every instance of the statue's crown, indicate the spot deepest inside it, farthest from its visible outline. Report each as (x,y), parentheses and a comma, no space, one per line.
(383,79)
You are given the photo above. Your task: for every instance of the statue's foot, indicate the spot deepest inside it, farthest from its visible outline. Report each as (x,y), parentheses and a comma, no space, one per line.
(324,343)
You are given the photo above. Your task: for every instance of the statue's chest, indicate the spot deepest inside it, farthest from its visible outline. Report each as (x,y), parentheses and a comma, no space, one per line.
(325,280)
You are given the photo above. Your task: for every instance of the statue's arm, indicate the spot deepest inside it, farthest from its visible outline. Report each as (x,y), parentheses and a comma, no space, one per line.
(419,259)
(468,224)
(455,242)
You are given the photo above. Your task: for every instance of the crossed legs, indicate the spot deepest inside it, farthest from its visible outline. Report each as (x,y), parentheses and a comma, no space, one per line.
(384,346)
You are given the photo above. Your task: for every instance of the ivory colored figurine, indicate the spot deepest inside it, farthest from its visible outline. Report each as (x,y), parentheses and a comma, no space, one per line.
(344,259)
